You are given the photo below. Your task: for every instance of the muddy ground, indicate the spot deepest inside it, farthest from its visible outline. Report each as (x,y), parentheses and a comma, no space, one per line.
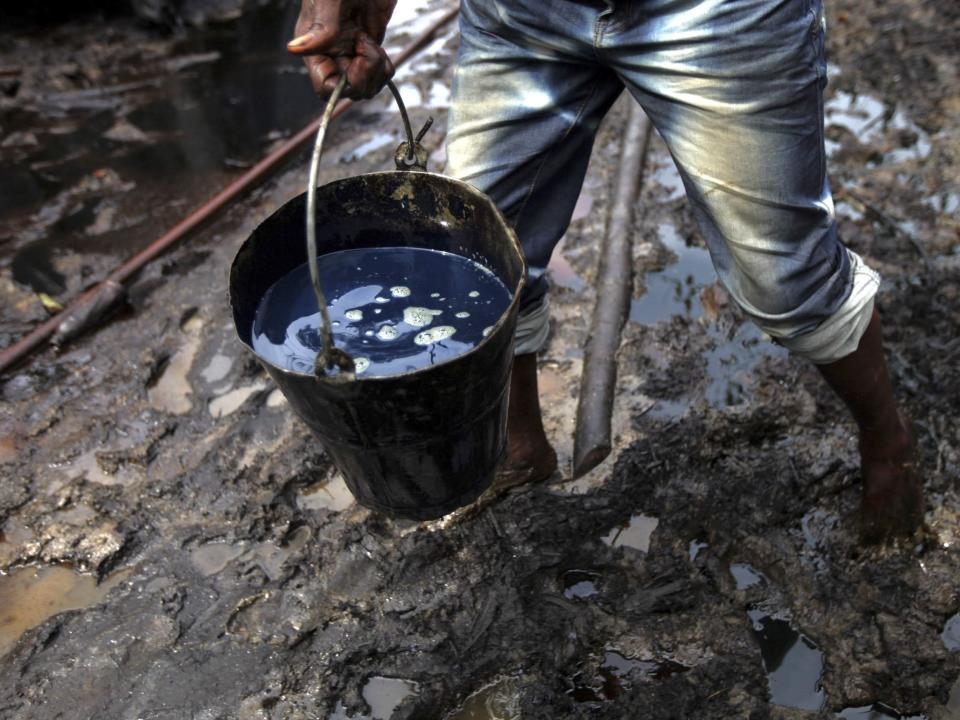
(708,569)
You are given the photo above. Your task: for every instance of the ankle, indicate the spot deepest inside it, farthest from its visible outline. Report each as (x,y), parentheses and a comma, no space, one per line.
(886,437)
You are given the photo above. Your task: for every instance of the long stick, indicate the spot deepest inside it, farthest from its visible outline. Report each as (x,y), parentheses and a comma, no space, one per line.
(598,383)
(259,172)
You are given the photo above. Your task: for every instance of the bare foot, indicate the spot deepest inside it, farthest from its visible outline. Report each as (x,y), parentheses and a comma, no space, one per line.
(529,458)
(892,502)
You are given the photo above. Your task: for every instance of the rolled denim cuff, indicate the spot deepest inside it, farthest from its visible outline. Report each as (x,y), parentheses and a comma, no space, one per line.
(839,335)
(533,327)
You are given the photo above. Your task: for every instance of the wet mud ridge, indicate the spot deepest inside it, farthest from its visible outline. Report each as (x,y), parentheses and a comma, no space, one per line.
(175,544)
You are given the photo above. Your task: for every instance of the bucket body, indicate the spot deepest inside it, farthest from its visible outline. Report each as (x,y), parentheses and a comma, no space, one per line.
(420,444)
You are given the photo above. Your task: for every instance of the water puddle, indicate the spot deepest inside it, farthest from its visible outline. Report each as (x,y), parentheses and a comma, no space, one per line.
(675,290)
(951,634)
(232,401)
(663,172)
(271,557)
(383,695)
(496,701)
(695,548)
(276,399)
(76,515)
(171,392)
(212,558)
(378,141)
(635,533)
(90,468)
(746,576)
(217,369)
(868,119)
(177,122)
(561,272)
(8,448)
(611,678)
(580,584)
(31,595)
(878,711)
(332,494)
(793,663)
(731,364)
(13,535)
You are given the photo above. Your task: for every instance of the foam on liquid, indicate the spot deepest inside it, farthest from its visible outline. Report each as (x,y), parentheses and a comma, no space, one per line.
(392,309)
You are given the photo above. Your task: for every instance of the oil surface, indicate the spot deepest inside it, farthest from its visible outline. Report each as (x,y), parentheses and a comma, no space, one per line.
(392,309)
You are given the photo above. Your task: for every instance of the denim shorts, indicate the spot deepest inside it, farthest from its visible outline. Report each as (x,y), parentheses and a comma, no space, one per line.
(734,87)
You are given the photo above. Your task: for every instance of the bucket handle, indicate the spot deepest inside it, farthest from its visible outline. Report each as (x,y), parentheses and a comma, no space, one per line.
(334,363)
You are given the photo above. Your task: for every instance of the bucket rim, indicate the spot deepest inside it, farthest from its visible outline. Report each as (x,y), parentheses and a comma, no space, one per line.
(496,327)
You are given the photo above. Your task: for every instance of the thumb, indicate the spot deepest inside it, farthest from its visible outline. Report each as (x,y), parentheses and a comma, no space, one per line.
(322,31)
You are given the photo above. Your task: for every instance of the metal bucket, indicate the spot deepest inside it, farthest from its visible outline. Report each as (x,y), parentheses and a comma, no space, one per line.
(415,445)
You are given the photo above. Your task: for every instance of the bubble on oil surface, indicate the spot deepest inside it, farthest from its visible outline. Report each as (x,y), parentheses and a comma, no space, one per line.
(387,332)
(353,315)
(419,316)
(434,334)
(400,291)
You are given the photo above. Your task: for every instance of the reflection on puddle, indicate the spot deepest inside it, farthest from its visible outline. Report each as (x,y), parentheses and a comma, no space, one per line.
(610,679)
(695,547)
(561,272)
(579,584)
(383,696)
(497,701)
(635,533)
(92,470)
(878,711)
(868,120)
(332,494)
(731,363)
(745,576)
(675,290)
(793,663)
(171,393)
(31,595)
(951,633)
(217,369)
(230,402)
(378,141)
(211,558)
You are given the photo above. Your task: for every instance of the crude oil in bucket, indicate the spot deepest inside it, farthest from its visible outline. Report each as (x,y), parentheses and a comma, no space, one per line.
(393,309)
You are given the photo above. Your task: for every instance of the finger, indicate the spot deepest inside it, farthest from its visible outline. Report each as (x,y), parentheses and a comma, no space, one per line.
(330,83)
(369,69)
(322,69)
(318,29)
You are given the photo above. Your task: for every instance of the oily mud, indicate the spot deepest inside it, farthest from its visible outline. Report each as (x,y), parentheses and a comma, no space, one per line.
(714,548)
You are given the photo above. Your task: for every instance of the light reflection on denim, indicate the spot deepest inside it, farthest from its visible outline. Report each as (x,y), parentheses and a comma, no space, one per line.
(734,87)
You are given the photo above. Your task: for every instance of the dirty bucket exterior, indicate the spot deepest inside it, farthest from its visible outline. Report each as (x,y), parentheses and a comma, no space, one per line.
(420,444)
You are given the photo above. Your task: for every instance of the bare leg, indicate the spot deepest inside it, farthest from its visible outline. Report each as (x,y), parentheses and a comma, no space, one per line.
(530,458)
(892,484)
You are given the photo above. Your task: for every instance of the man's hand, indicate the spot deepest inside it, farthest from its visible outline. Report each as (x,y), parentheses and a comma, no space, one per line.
(343,37)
